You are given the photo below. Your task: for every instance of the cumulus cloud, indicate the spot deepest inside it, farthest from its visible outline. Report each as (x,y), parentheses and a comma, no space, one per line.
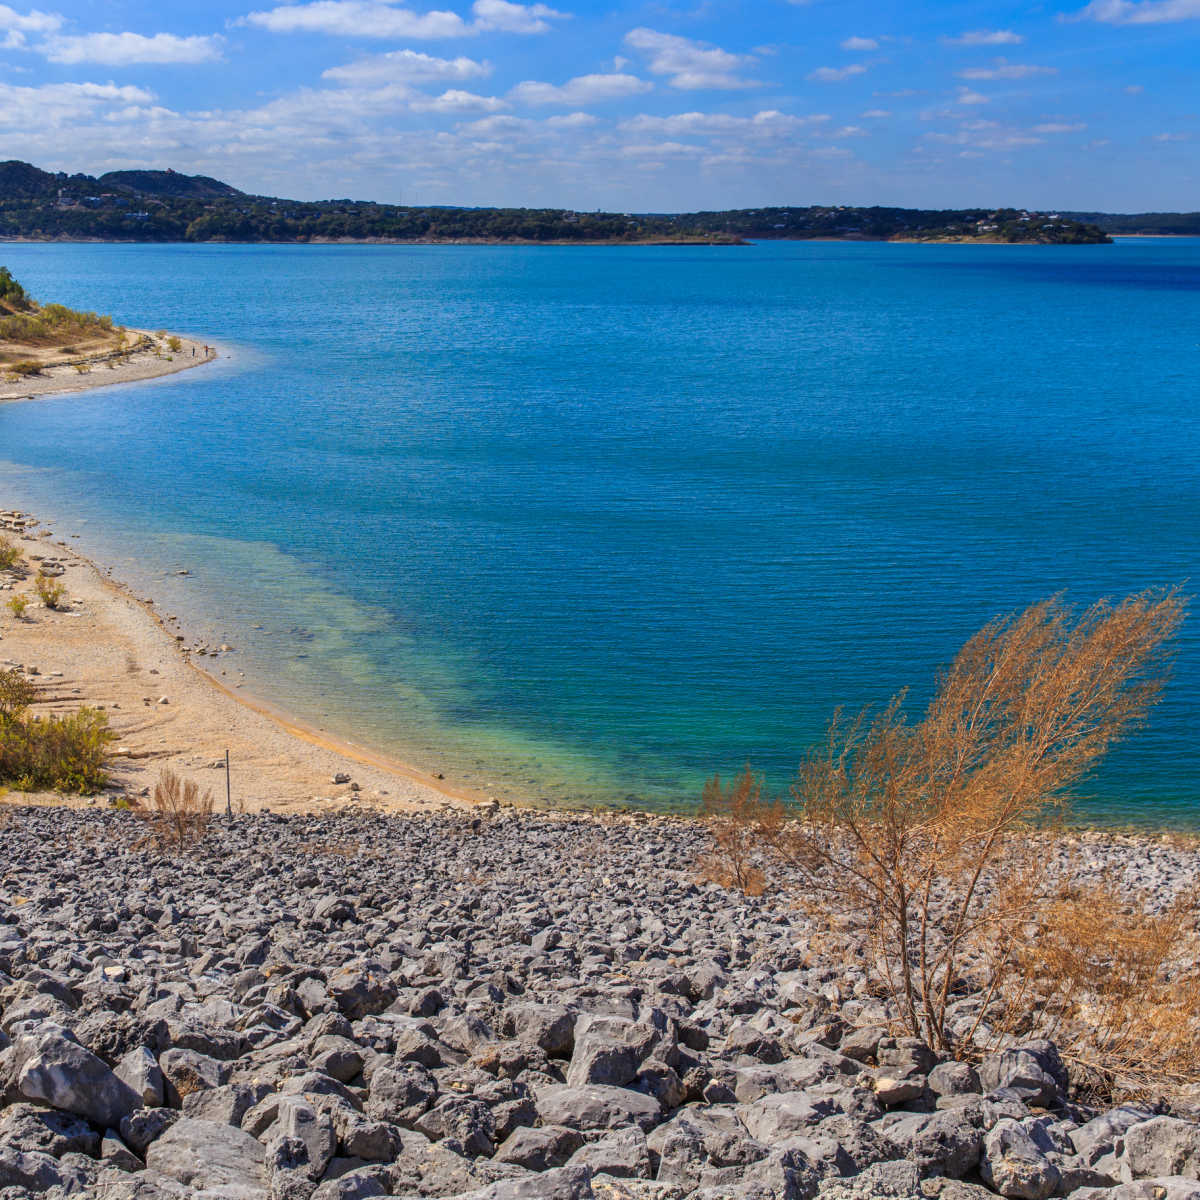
(1060,127)
(382,19)
(1138,12)
(583,89)
(1003,69)
(836,74)
(875,114)
(128,49)
(56,104)
(985,37)
(504,17)
(860,44)
(456,101)
(770,123)
(575,120)
(407,66)
(30,22)
(690,64)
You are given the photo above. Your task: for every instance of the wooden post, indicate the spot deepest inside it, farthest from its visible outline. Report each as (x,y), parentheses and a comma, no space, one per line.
(228,793)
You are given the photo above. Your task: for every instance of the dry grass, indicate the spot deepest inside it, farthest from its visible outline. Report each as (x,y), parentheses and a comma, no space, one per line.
(736,859)
(178,814)
(916,838)
(1117,985)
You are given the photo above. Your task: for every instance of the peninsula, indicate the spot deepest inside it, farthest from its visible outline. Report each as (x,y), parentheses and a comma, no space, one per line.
(166,206)
(52,348)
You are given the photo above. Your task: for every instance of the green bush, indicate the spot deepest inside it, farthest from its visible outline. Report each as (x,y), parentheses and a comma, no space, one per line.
(18,604)
(11,292)
(10,555)
(49,590)
(65,754)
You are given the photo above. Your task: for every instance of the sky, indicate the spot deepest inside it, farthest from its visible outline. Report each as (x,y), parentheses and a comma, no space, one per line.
(641,106)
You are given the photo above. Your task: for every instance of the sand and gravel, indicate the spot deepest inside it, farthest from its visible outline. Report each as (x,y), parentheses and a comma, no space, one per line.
(102,372)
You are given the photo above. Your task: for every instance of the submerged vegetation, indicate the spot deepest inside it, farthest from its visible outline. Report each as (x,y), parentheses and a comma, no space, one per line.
(925,846)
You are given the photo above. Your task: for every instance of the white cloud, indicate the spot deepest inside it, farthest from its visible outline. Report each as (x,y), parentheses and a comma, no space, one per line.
(770,123)
(985,37)
(456,101)
(1060,127)
(15,26)
(126,49)
(860,44)
(1147,12)
(836,74)
(875,114)
(407,66)
(690,64)
(583,89)
(382,19)
(1003,69)
(501,16)
(575,120)
(1134,89)
(966,96)
(1172,137)
(56,105)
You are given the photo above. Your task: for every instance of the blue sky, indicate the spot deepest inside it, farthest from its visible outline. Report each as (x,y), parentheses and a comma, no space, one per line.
(626,106)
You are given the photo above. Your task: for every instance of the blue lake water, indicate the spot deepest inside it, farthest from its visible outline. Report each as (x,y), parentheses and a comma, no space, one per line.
(588,524)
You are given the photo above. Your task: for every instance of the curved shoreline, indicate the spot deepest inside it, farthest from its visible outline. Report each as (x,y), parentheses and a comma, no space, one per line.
(142,365)
(102,652)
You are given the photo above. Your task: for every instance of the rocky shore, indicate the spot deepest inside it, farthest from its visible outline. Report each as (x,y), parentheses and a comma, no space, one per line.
(496,1005)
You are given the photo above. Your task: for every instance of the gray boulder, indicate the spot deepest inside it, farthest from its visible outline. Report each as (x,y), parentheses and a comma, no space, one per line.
(1161,1146)
(58,1071)
(596,1107)
(205,1155)
(1034,1071)
(1014,1165)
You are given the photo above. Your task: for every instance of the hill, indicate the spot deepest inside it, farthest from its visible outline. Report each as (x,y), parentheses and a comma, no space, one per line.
(165,206)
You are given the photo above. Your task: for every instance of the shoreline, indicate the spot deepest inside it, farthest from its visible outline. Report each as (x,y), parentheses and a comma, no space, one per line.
(280,762)
(114,650)
(105,371)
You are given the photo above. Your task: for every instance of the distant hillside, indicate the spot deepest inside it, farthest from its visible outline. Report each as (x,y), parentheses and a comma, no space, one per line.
(165,206)
(1152,224)
(167,183)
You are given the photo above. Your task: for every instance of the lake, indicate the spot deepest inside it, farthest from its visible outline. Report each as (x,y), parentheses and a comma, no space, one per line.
(589,524)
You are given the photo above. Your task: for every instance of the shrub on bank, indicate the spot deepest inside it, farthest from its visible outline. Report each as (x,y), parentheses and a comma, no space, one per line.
(922,845)
(10,555)
(50,592)
(61,753)
(17,605)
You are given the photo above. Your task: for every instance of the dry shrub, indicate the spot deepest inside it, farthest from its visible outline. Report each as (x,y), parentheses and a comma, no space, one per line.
(49,590)
(918,839)
(732,815)
(10,555)
(1118,988)
(178,813)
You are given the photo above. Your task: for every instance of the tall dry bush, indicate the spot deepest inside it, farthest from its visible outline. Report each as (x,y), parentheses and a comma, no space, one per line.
(179,814)
(922,842)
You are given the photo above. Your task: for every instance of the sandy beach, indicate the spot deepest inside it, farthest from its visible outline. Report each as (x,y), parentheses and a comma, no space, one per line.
(102,371)
(110,649)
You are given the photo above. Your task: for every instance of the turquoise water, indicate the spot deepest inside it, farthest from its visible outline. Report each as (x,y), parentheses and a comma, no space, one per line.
(588,524)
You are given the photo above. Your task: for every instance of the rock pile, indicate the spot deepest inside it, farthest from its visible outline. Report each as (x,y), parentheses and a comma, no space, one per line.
(522,1007)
